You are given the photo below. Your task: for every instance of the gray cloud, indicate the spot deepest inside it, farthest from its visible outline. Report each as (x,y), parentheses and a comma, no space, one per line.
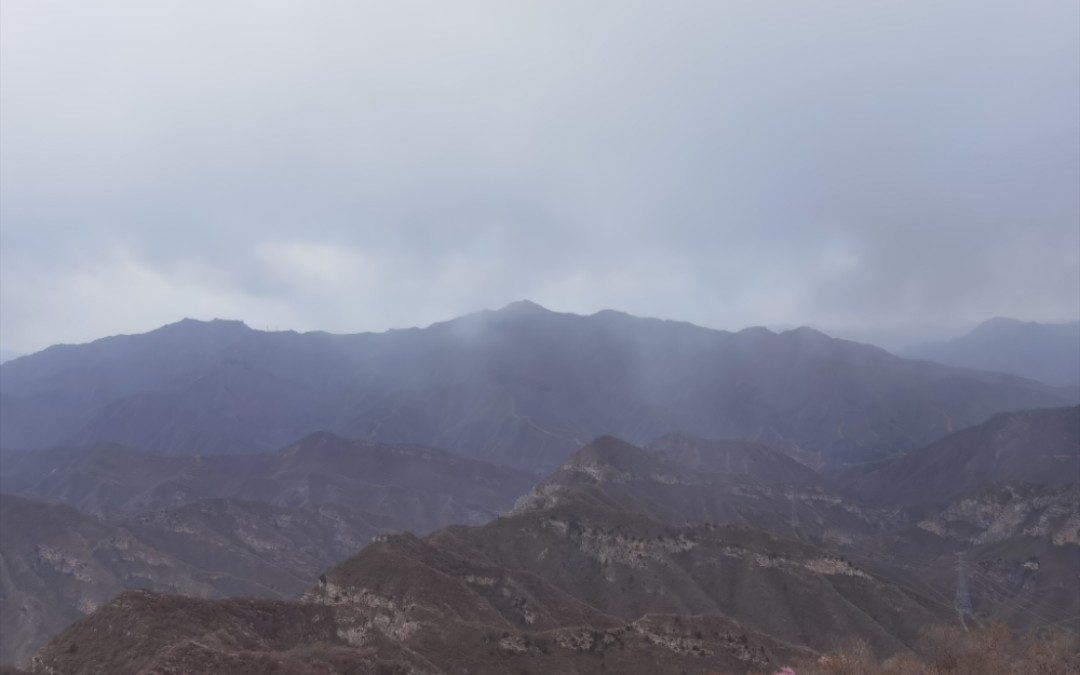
(868,168)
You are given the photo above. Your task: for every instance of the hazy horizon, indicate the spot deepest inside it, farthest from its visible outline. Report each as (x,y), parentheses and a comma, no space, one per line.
(890,173)
(880,340)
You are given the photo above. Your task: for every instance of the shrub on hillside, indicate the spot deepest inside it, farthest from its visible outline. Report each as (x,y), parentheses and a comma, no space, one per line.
(952,650)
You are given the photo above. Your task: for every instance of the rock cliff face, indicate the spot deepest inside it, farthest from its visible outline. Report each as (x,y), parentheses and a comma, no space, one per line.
(999,512)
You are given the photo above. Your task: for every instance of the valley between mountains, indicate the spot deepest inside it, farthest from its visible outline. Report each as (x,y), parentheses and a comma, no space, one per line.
(521,491)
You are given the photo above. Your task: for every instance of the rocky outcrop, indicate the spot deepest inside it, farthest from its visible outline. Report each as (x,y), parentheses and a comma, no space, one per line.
(999,512)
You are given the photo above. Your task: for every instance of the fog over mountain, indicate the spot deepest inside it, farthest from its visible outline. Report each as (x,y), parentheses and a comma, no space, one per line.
(1046,352)
(522,386)
(904,169)
(487,338)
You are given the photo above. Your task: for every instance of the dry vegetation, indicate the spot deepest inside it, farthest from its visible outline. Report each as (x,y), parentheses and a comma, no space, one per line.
(951,650)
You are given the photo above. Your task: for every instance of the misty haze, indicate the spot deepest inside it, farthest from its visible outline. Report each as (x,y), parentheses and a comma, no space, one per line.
(430,338)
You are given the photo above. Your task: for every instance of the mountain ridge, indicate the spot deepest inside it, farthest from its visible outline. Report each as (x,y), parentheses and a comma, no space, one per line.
(522,386)
(1048,352)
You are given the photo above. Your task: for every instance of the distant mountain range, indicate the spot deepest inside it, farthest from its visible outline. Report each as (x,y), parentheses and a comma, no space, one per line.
(7,355)
(521,387)
(1046,352)
(522,491)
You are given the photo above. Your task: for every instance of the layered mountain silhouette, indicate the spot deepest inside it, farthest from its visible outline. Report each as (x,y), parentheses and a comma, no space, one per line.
(623,560)
(751,458)
(522,386)
(1041,351)
(614,494)
(392,486)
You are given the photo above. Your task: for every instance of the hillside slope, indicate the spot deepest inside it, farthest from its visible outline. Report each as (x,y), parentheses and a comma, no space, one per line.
(57,565)
(577,588)
(1037,446)
(391,486)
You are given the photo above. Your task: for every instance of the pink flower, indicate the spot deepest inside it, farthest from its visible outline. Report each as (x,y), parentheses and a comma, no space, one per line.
(785,671)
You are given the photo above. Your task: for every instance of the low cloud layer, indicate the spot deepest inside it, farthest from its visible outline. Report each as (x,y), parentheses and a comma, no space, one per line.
(900,169)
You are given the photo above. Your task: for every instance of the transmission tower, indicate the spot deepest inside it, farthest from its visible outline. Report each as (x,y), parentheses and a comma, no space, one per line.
(962,603)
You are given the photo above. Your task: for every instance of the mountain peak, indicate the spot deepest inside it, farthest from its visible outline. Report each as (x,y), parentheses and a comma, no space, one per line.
(520,307)
(806,332)
(608,457)
(215,325)
(1003,321)
(1047,352)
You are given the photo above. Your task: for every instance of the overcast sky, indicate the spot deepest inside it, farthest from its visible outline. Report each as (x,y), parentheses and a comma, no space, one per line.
(897,168)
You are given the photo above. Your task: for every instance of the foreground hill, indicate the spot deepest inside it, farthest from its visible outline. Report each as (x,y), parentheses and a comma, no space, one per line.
(577,587)
(1037,446)
(625,560)
(522,386)
(1045,352)
(131,635)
